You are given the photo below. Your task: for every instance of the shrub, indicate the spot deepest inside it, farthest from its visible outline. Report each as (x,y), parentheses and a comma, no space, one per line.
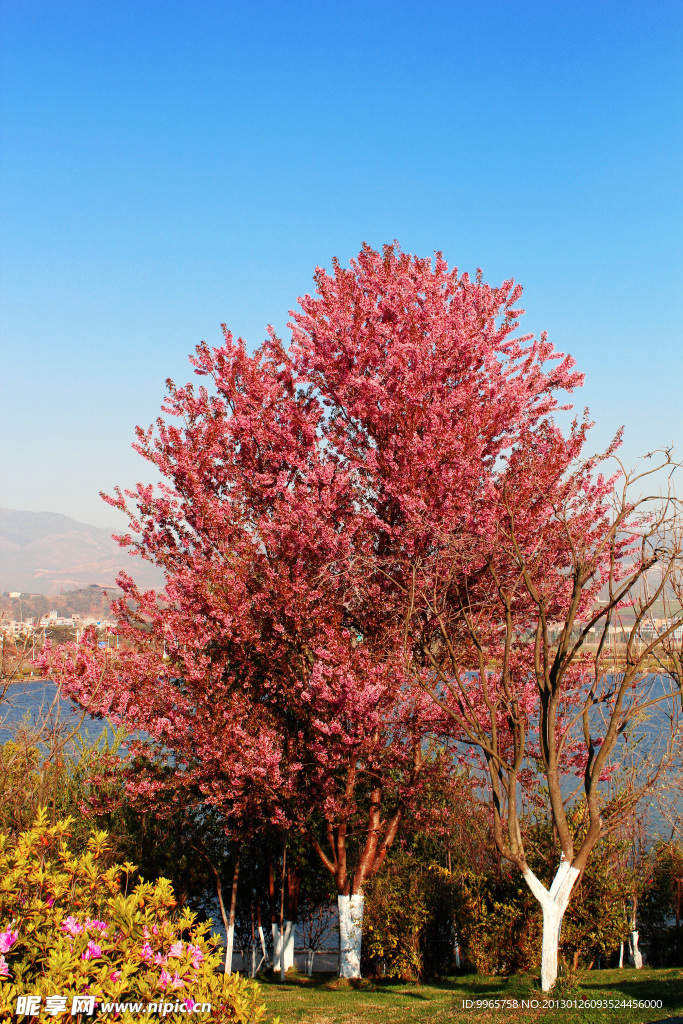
(408,921)
(69,927)
(499,923)
(660,906)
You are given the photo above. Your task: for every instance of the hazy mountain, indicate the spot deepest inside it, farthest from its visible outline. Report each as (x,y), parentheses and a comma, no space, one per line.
(44,552)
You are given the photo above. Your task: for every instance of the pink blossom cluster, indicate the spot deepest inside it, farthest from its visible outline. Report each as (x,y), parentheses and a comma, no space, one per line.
(72,926)
(165,980)
(176,950)
(7,939)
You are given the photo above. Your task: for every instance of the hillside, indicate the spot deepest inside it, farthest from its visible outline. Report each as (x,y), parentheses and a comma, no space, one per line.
(45,553)
(92,601)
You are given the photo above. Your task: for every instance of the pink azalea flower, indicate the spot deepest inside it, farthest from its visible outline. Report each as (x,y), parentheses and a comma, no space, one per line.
(164,979)
(51,901)
(146,952)
(71,926)
(145,931)
(99,925)
(196,955)
(159,959)
(176,949)
(155,929)
(189,1003)
(4,968)
(7,939)
(177,981)
(115,975)
(92,951)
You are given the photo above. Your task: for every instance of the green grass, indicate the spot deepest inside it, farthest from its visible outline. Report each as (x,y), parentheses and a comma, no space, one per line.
(326,999)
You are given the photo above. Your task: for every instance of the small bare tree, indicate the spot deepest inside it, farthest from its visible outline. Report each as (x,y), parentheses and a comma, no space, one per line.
(43,747)
(538,638)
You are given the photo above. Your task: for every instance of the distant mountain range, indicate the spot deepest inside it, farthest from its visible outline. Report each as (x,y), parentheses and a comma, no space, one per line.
(45,553)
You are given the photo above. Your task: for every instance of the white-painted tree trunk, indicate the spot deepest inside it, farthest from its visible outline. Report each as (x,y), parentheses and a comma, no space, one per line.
(621,955)
(350,934)
(553,904)
(230,938)
(276,947)
(263,943)
(289,945)
(637,955)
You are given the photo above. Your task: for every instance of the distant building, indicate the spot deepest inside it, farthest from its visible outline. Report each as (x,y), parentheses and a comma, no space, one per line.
(14,627)
(56,620)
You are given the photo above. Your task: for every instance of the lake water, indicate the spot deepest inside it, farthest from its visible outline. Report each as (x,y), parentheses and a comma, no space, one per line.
(34,702)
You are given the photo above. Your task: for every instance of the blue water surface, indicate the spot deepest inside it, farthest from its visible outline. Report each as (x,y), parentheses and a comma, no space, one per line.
(32,703)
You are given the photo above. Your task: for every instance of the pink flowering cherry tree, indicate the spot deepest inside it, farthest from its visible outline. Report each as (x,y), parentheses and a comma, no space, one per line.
(261,694)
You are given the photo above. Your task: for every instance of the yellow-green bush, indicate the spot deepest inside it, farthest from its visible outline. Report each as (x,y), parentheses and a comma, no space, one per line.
(408,920)
(70,927)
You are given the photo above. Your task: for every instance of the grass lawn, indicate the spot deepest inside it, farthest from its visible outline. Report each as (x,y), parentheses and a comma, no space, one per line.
(326,999)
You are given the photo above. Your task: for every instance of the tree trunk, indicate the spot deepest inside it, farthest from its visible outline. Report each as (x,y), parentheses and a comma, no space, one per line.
(221,904)
(276,946)
(231,921)
(637,955)
(350,934)
(282,912)
(260,933)
(272,898)
(293,892)
(552,921)
(288,945)
(283,945)
(292,910)
(553,904)
(224,916)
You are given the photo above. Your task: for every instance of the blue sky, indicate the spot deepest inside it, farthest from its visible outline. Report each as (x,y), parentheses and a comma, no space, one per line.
(169,166)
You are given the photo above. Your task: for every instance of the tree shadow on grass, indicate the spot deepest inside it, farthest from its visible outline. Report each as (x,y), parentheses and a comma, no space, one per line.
(386,991)
(471,986)
(668,989)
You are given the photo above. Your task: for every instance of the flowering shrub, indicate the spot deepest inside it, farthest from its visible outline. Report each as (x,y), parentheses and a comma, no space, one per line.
(69,927)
